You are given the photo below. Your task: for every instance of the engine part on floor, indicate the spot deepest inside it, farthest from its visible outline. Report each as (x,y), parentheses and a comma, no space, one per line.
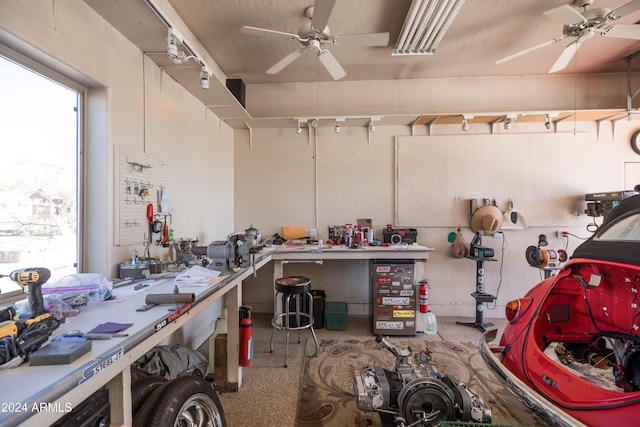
(188,400)
(415,393)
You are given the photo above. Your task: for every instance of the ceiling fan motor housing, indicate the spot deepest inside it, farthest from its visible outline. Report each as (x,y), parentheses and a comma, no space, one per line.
(594,19)
(306,31)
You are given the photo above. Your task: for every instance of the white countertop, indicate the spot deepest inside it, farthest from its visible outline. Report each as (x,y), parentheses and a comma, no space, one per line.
(342,252)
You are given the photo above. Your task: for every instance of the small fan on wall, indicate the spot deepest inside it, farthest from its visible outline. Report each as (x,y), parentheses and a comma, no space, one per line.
(314,35)
(582,26)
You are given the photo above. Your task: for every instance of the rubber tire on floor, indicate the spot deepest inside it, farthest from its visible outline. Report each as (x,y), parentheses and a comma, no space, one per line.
(162,408)
(142,388)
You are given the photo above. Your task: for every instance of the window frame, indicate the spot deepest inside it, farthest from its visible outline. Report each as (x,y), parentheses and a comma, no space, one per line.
(48,72)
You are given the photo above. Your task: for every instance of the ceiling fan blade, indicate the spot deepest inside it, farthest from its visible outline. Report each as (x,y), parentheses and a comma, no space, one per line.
(624,10)
(331,64)
(280,65)
(321,11)
(367,39)
(631,31)
(531,49)
(269,33)
(566,56)
(566,14)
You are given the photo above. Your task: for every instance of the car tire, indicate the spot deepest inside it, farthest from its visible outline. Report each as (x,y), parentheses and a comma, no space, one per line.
(184,398)
(142,388)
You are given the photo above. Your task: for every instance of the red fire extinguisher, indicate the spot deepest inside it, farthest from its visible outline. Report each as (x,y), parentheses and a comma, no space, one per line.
(246,341)
(424,296)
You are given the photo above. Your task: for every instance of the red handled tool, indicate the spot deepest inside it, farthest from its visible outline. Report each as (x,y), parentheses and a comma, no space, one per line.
(150,220)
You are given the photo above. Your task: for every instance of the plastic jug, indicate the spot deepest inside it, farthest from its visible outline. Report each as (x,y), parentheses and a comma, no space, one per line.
(430,323)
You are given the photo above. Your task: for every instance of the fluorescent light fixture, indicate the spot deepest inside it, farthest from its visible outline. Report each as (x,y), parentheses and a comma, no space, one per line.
(425,26)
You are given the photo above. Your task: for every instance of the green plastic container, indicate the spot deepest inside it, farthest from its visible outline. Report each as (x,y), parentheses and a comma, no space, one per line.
(336,315)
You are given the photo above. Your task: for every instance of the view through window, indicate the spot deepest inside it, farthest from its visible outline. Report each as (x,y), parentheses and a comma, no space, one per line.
(39,174)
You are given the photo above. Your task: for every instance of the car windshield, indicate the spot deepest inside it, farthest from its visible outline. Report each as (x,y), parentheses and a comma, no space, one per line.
(626,228)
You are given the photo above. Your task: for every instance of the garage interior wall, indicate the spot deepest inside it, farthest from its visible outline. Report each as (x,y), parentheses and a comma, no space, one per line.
(287,179)
(131,103)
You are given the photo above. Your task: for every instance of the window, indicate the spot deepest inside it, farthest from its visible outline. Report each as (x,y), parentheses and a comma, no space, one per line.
(39,176)
(626,228)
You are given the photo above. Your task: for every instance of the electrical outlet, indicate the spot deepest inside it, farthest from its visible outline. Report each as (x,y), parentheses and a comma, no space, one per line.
(561,233)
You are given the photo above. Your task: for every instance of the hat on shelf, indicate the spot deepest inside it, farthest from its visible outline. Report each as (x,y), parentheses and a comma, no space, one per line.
(487,219)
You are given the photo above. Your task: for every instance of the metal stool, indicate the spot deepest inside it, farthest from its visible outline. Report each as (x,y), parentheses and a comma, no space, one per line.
(297,287)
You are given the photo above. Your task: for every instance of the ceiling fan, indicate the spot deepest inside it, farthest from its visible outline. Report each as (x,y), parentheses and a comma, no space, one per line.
(583,26)
(312,35)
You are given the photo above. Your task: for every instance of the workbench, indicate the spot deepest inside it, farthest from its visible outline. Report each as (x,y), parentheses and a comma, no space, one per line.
(39,395)
(311,253)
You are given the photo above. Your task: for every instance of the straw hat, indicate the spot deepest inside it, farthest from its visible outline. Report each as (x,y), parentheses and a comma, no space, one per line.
(487,219)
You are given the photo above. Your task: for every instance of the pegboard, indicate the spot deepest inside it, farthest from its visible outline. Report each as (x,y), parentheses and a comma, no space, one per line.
(436,176)
(139,179)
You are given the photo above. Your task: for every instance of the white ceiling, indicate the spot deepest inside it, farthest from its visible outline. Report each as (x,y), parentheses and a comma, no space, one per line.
(483,31)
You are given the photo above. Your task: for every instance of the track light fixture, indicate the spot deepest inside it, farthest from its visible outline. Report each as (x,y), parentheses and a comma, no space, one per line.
(509,121)
(465,121)
(547,122)
(204,78)
(372,128)
(299,129)
(337,128)
(172,49)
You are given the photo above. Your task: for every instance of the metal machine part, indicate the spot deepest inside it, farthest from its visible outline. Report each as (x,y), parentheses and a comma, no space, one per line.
(415,393)
(235,252)
(185,252)
(598,204)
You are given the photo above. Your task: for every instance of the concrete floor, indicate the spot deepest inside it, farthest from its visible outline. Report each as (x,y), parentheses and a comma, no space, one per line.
(269,392)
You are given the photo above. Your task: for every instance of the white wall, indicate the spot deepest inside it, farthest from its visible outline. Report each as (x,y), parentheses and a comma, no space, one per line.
(285,179)
(132,103)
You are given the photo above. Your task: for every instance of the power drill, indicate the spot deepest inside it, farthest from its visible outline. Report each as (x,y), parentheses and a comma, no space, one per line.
(32,279)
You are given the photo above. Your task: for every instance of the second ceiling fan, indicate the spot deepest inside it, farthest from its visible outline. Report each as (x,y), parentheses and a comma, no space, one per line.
(583,26)
(314,34)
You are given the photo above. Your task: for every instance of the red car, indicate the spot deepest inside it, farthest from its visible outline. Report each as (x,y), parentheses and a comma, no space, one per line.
(571,350)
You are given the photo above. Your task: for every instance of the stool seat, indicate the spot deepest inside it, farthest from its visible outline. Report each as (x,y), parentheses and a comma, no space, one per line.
(294,289)
(293,285)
